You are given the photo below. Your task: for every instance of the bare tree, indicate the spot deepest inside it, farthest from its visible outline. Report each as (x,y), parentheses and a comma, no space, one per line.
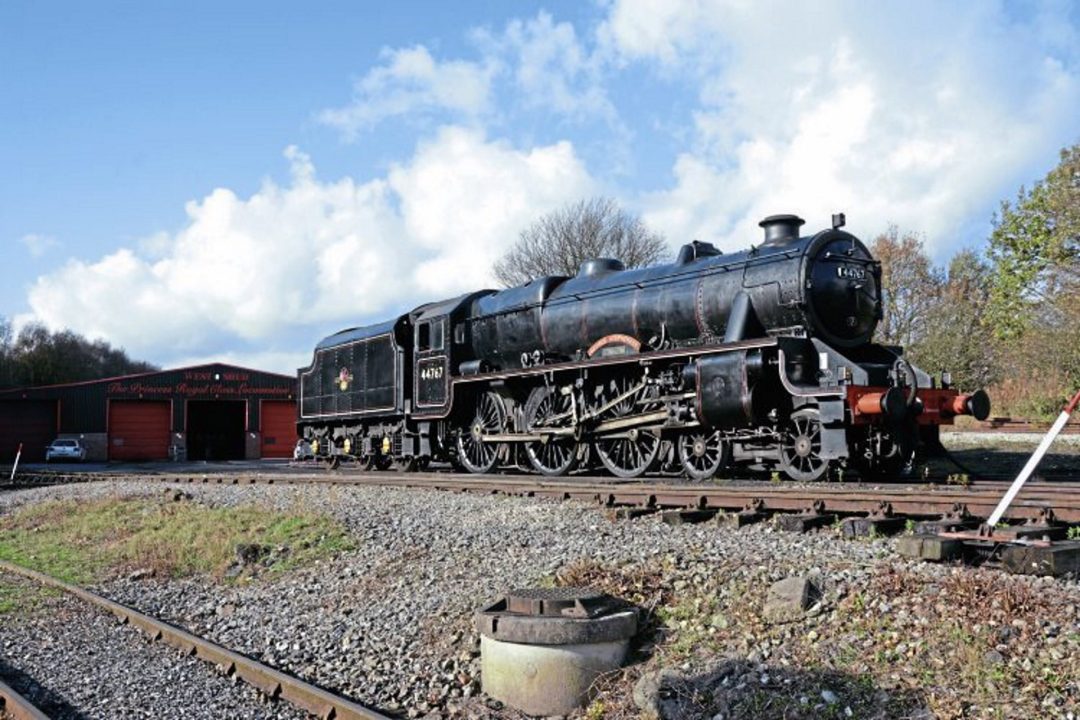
(912,286)
(557,243)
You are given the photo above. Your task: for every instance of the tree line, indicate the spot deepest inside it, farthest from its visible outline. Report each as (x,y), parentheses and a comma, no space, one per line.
(38,356)
(1007,319)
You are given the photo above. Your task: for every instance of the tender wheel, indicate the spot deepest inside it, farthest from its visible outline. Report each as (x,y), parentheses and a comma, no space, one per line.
(702,454)
(333,462)
(557,455)
(474,454)
(404,464)
(365,462)
(630,453)
(800,448)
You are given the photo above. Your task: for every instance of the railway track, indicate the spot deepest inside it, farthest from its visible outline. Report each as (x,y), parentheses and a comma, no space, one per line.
(15,706)
(1039,502)
(272,683)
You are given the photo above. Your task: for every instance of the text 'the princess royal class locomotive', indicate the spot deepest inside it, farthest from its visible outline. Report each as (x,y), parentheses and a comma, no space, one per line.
(761,359)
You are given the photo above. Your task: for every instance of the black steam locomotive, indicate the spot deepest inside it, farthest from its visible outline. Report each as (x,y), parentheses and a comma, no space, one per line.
(760,358)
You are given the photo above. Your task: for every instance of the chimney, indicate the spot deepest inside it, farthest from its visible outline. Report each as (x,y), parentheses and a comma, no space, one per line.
(781,229)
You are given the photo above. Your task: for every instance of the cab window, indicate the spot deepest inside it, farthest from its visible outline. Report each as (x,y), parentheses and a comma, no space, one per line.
(429,336)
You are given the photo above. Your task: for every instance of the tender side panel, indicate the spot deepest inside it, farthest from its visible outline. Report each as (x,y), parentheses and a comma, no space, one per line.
(357,377)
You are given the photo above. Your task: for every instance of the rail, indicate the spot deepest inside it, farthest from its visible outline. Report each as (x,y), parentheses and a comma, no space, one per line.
(15,706)
(977,499)
(273,683)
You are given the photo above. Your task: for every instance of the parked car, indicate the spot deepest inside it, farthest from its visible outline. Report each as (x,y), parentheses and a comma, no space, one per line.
(62,449)
(302,451)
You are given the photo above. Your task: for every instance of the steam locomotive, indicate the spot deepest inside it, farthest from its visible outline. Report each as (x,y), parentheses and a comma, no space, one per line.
(758,359)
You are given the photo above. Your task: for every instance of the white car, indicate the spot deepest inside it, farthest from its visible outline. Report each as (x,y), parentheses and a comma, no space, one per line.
(65,450)
(302,451)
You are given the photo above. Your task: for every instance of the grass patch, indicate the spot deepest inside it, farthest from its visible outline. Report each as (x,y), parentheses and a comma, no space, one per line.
(86,541)
(20,596)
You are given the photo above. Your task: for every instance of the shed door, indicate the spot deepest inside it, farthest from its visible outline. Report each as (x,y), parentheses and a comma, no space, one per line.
(30,422)
(278,427)
(431,377)
(139,430)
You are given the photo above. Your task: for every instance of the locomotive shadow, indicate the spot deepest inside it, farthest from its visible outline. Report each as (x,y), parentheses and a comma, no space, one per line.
(41,696)
(995,460)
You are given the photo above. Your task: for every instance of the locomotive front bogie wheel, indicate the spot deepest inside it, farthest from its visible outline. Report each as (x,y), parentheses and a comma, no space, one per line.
(475,453)
(703,454)
(554,455)
(800,447)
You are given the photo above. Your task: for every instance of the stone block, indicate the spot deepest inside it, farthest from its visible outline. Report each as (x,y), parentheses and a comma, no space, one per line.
(929,547)
(803,522)
(1055,560)
(686,517)
(788,599)
(864,526)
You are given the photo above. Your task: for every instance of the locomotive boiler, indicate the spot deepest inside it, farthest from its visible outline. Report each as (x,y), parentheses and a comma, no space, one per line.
(762,358)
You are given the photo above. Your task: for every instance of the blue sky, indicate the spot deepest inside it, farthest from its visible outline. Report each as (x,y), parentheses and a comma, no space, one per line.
(231,181)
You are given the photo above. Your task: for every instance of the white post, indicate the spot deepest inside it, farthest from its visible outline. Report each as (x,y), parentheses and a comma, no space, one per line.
(1033,462)
(15,467)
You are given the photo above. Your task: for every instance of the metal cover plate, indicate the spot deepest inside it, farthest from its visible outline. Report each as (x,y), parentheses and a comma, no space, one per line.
(558,602)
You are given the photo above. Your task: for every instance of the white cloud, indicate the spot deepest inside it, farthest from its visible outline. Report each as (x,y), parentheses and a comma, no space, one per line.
(550,66)
(531,65)
(38,245)
(916,115)
(411,82)
(312,251)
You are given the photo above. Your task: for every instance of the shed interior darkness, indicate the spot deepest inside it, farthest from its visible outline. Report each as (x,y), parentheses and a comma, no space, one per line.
(215,429)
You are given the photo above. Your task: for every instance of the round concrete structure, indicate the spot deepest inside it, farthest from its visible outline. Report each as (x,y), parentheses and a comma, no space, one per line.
(542,649)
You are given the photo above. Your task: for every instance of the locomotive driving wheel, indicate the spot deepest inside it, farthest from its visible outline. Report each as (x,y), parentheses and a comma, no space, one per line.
(629,453)
(547,407)
(474,453)
(703,453)
(800,446)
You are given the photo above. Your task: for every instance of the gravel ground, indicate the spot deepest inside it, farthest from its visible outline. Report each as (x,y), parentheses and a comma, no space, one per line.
(390,624)
(72,660)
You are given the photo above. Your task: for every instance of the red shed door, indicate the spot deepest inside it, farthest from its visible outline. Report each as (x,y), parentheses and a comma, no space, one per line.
(278,428)
(139,430)
(30,422)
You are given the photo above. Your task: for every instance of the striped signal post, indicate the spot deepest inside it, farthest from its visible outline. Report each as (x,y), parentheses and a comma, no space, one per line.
(18,454)
(1033,461)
